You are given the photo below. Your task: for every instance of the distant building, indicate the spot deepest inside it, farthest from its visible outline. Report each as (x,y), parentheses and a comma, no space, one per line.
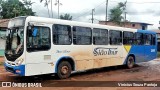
(3,27)
(4,23)
(135,25)
(158,38)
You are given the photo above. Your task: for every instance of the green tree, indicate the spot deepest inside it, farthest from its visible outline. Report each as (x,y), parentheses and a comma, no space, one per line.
(0,8)
(66,17)
(116,13)
(13,8)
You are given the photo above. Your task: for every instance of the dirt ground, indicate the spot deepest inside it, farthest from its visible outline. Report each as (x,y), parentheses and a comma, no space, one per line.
(1,59)
(148,71)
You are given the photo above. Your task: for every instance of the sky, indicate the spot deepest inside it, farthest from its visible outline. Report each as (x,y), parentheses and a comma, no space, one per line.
(147,11)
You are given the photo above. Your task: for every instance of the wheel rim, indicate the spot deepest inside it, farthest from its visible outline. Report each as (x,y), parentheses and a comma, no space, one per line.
(130,62)
(64,70)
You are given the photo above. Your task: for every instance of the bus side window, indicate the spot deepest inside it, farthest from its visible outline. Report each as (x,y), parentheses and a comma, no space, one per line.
(148,39)
(153,39)
(100,36)
(82,35)
(128,38)
(40,40)
(115,37)
(139,39)
(62,34)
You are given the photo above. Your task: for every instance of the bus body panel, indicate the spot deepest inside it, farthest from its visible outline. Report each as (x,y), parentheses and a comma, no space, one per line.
(85,56)
(40,62)
(144,53)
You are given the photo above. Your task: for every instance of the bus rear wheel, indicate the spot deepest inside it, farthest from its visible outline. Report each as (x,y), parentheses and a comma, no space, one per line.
(130,62)
(64,70)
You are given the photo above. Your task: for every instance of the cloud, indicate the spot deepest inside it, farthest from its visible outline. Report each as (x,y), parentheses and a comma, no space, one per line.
(81,10)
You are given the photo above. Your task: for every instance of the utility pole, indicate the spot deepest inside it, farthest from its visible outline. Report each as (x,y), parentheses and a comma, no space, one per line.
(125,14)
(106,10)
(58,3)
(51,9)
(93,10)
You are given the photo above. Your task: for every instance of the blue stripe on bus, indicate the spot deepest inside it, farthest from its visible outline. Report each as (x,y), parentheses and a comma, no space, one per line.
(13,69)
(143,53)
(146,31)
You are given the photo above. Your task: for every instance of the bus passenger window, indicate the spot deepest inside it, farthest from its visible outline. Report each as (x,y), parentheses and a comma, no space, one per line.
(62,34)
(100,36)
(115,37)
(139,39)
(128,38)
(153,39)
(82,35)
(38,39)
(148,39)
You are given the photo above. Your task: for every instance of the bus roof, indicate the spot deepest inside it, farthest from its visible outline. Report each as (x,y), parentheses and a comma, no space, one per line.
(147,31)
(76,23)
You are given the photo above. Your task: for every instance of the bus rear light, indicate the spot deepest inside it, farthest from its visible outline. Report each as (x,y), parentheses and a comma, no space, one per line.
(18,71)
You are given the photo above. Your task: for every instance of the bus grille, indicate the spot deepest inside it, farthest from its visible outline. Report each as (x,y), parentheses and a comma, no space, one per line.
(10,69)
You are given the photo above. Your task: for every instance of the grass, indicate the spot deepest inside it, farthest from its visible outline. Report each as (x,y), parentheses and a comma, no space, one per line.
(158,54)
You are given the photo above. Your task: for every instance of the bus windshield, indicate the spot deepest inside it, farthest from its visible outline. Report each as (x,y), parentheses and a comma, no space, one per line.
(14,42)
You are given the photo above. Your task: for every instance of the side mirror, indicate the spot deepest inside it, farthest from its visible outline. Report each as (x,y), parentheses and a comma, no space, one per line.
(32,31)
(30,26)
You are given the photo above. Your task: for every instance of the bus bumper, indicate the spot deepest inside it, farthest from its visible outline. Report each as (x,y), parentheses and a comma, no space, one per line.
(19,70)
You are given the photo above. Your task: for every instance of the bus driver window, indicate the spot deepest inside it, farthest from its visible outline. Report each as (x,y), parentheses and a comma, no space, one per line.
(38,39)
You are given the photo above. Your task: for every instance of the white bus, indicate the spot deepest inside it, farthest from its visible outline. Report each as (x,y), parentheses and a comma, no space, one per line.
(37,45)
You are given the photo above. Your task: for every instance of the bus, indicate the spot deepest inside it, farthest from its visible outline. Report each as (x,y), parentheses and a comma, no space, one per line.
(38,45)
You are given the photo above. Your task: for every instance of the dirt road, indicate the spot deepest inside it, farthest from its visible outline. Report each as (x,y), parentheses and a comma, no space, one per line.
(148,71)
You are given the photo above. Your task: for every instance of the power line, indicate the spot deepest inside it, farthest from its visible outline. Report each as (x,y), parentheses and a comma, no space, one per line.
(144,2)
(100,4)
(88,10)
(82,15)
(139,2)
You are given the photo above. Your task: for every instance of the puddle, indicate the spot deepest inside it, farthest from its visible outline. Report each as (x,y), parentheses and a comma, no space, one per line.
(153,62)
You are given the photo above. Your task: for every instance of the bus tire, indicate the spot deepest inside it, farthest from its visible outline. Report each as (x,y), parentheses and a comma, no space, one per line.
(64,70)
(130,62)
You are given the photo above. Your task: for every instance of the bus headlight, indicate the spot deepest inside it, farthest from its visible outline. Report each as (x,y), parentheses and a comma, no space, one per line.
(19,61)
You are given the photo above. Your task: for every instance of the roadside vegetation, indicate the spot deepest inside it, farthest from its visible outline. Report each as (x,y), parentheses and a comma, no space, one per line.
(14,8)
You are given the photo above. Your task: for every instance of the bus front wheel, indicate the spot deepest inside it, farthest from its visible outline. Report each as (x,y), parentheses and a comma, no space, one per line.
(64,70)
(130,62)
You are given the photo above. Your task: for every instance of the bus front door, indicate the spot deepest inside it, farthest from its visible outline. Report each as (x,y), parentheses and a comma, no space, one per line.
(38,55)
